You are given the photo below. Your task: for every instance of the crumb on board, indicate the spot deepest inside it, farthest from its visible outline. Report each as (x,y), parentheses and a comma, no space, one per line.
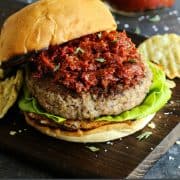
(152,125)
(12,133)
(171,102)
(110,143)
(168,113)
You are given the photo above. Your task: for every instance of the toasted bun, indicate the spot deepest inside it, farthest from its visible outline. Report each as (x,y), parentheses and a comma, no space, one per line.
(51,22)
(102,134)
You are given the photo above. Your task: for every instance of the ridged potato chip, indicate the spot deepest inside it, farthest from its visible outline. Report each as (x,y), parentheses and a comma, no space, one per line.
(9,89)
(164,50)
(171,84)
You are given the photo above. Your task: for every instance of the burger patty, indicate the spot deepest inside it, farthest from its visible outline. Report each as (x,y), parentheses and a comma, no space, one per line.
(59,100)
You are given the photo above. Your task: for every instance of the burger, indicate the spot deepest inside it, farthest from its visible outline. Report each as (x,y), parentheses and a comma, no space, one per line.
(84,80)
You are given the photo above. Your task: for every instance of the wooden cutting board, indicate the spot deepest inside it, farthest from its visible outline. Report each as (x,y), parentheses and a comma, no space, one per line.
(118,159)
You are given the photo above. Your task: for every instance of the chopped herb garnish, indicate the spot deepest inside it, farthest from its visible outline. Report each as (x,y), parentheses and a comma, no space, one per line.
(115,41)
(99,35)
(56,67)
(137,30)
(132,61)
(144,135)
(93,148)
(155,18)
(101,60)
(79,50)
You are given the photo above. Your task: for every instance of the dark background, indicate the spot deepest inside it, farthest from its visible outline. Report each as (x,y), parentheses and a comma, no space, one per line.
(169,165)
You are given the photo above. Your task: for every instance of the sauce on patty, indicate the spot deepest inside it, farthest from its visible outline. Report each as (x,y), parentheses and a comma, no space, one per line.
(95,62)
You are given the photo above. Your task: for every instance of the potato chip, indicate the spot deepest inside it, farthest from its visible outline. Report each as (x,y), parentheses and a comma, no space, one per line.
(1,74)
(9,89)
(171,84)
(164,50)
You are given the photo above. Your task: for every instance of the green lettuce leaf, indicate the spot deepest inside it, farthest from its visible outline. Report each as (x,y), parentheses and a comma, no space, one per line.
(29,104)
(157,97)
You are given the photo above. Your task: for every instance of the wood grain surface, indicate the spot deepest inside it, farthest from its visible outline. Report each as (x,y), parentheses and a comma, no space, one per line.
(121,158)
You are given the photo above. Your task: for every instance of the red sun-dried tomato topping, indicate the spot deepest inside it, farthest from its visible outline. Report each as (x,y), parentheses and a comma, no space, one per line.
(97,61)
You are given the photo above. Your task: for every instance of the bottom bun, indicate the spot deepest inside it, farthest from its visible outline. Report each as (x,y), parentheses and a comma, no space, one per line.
(101,134)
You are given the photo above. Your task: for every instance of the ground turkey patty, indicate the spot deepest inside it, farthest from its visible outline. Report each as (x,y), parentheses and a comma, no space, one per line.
(96,75)
(58,100)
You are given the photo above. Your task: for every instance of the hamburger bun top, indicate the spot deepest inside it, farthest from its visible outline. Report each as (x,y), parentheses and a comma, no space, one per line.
(52,22)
